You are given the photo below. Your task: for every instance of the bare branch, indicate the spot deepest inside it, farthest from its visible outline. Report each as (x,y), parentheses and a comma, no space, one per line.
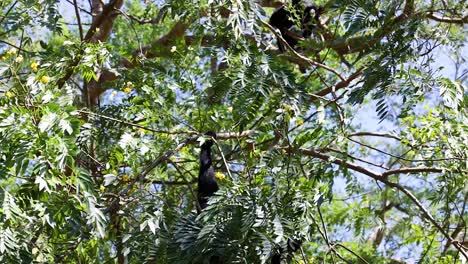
(270,3)
(8,12)
(14,46)
(339,85)
(372,134)
(78,18)
(381,177)
(451,20)
(176,183)
(351,251)
(400,157)
(82,9)
(411,170)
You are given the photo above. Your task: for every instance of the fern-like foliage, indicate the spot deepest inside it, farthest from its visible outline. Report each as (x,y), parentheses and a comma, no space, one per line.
(241,222)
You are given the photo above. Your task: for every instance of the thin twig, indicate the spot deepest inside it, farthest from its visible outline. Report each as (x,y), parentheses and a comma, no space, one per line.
(372,134)
(351,251)
(8,11)
(82,9)
(78,18)
(14,46)
(128,123)
(224,160)
(400,157)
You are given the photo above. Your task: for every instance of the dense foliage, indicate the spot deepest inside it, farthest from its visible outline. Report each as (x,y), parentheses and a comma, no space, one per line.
(355,143)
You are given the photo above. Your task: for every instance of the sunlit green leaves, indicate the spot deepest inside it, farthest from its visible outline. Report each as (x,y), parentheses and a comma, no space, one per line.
(93,179)
(452,92)
(95,216)
(47,121)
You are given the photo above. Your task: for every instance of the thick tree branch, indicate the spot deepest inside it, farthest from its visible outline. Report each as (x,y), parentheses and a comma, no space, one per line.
(161,46)
(451,20)
(104,22)
(270,3)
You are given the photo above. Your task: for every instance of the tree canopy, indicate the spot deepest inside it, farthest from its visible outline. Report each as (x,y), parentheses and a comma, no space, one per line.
(353,144)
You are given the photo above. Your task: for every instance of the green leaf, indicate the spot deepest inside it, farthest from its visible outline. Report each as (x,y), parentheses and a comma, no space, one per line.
(47,121)
(66,126)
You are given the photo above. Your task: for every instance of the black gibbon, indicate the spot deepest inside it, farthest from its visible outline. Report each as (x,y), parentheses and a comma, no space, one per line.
(283,19)
(207,185)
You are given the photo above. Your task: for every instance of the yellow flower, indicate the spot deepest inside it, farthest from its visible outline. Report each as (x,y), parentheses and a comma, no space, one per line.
(4,58)
(34,66)
(173,49)
(114,93)
(220,176)
(11,51)
(125,178)
(127,90)
(102,188)
(128,87)
(300,122)
(129,84)
(45,79)
(9,94)
(19,59)
(142,130)
(287,108)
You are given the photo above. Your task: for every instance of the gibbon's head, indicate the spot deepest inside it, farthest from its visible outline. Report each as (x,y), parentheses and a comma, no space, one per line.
(209,141)
(314,11)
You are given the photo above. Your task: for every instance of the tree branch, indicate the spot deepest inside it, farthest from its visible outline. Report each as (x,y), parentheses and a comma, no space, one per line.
(104,22)
(339,85)
(371,134)
(383,179)
(451,20)
(78,19)
(300,56)
(410,171)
